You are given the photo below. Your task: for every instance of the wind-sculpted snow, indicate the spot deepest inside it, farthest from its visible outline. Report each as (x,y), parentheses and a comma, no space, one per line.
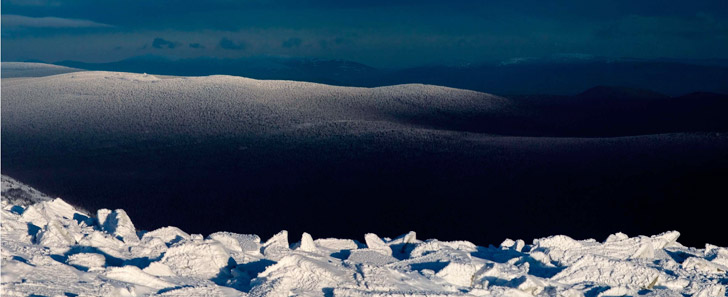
(51,249)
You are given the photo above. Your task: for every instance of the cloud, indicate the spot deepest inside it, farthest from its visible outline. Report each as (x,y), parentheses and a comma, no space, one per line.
(160,43)
(228,44)
(10,20)
(196,45)
(342,40)
(338,42)
(692,28)
(41,3)
(323,44)
(291,42)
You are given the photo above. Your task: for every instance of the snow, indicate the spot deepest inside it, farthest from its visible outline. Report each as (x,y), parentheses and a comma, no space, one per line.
(375,243)
(51,249)
(201,259)
(25,69)
(307,244)
(20,194)
(109,104)
(87,260)
(117,223)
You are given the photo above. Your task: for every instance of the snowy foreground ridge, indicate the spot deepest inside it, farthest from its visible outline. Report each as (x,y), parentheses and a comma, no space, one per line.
(51,249)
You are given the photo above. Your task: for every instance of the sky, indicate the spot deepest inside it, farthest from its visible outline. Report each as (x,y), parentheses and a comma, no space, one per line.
(380,33)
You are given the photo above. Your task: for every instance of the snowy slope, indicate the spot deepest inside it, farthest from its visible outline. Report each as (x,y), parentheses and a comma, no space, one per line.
(23,69)
(234,141)
(129,103)
(51,249)
(20,194)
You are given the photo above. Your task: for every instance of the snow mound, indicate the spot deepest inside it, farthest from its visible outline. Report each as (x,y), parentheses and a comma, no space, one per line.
(49,248)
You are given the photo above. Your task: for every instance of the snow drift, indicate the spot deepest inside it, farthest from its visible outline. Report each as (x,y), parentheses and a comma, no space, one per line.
(49,248)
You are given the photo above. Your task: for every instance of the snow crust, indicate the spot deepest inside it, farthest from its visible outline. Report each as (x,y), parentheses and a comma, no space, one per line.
(51,249)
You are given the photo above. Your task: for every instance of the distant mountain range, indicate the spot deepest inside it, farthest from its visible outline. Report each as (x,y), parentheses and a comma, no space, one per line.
(616,111)
(560,75)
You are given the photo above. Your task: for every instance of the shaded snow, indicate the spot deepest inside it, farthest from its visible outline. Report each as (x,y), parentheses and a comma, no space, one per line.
(50,249)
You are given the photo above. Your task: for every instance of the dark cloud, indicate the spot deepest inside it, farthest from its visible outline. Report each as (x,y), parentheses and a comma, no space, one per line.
(160,43)
(462,42)
(609,32)
(291,42)
(701,27)
(228,44)
(42,3)
(334,43)
(376,32)
(9,20)
(342,41)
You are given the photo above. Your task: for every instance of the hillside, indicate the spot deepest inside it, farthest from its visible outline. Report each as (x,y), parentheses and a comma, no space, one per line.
(18,69)
(237,151)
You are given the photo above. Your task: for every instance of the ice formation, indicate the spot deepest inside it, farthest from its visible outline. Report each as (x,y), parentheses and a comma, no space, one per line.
(49,248)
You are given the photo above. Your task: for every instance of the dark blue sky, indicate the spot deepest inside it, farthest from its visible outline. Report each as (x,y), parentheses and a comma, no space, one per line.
(379,33)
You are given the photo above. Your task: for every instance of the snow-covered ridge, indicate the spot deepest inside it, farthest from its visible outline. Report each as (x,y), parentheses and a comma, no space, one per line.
(51,249)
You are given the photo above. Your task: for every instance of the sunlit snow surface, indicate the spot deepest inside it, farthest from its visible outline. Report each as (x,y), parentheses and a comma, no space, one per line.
(51,249)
